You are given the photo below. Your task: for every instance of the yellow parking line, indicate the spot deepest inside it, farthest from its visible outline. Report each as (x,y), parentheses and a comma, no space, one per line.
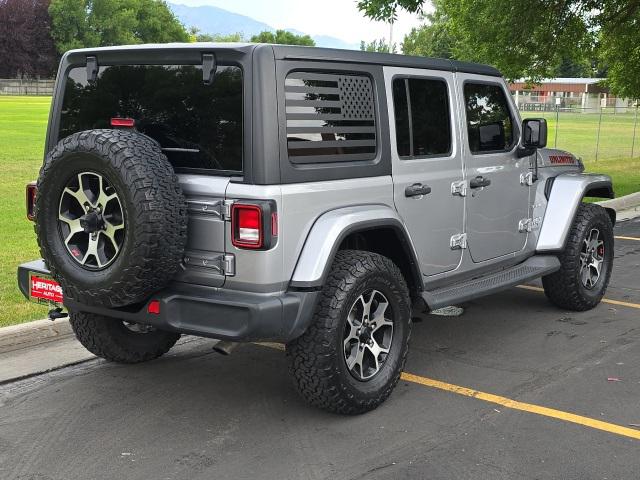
(524,407)
(506,402)
(620,237)
(604,300)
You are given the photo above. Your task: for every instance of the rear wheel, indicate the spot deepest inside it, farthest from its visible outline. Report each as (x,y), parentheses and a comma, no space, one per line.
(350,358)
(119,341)
(586,261)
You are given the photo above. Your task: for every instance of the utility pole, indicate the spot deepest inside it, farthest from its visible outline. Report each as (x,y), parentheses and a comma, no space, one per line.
(391,36)
(635,126)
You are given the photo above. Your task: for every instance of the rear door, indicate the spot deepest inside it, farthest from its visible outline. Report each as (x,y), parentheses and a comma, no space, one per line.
(426,160)
(497,199)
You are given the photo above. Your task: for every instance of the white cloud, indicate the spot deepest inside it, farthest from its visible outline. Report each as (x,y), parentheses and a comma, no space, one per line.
(337,18)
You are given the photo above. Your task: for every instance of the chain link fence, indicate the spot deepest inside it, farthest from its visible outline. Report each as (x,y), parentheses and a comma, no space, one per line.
(19,86)
(602,132)
(607,129)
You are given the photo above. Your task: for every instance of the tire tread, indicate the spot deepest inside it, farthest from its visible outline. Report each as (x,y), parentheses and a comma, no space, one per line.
(563,288)
(311,356)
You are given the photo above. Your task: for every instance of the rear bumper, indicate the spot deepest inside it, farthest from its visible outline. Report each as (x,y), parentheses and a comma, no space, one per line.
(207,311)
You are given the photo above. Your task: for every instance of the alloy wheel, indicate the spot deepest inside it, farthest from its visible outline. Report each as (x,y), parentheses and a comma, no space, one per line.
(592,258)
(91,220)
(368,335)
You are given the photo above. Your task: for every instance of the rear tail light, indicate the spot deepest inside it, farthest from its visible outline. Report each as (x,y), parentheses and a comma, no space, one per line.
(31,190)
(247,225)
(123,122)
(254,225)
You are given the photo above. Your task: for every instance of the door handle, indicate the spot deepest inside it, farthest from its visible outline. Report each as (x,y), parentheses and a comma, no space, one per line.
(417,189)
(479,182)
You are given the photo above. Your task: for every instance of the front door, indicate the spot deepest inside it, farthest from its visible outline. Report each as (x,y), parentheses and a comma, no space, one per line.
(498,194)
(426,160)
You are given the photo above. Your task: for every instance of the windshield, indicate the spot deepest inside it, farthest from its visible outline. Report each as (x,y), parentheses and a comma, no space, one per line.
(198,126)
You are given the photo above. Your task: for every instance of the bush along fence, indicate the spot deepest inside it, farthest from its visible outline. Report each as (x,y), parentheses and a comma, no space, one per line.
(19,86)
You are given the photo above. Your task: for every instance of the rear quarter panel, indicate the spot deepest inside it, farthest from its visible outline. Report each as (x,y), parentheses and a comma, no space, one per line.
(299,206)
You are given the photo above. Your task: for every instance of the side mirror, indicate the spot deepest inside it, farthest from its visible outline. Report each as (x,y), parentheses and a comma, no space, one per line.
(534,131)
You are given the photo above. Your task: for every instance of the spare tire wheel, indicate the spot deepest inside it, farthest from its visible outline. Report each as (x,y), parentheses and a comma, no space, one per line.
(111,218)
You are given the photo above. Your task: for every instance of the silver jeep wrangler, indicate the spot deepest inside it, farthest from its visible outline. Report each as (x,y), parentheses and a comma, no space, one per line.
(315,197)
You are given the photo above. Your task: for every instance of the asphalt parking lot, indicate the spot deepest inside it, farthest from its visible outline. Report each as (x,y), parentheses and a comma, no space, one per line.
(514,388)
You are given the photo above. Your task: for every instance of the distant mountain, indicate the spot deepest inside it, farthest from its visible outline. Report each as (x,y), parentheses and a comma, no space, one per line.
(327,41)
(209,19)
(333,42)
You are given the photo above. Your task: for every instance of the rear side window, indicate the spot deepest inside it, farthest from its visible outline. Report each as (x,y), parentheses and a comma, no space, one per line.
(423,121)
(198,126)
(330,117)
(489,121)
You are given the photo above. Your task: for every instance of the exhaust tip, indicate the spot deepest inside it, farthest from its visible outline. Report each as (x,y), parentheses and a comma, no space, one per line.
(225,348)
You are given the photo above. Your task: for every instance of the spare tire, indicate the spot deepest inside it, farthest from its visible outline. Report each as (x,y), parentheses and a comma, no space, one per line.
(111,218)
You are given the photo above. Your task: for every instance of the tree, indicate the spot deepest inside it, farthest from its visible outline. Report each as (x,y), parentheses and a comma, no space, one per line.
(96,23)
(216,37)
(525,38)
(26,46)
(573,67)
(386,10)
(284,38)
(430,40)
(377,46)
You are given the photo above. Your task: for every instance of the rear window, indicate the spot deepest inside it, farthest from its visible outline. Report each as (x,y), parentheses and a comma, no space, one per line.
(330,117)
(198,126)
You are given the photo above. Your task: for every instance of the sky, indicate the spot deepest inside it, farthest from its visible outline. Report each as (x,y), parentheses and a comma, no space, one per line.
(337,18)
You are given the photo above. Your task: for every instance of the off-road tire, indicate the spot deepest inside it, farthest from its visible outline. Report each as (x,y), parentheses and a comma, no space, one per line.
(316,359)
(110,339)
(564,288)
(153,206)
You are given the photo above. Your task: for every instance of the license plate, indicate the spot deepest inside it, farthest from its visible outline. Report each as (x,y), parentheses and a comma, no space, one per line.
(44,290)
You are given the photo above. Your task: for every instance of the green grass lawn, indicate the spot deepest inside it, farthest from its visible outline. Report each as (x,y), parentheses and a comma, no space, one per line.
(23,122)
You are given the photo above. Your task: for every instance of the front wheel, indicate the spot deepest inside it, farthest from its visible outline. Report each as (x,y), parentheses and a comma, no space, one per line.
(586,262)
(350,358)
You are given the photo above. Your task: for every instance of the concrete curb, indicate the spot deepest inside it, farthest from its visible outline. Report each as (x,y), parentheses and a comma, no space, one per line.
(623,203)
(33,333)
(626,207)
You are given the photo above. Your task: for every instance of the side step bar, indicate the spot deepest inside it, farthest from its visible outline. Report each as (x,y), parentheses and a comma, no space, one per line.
(532,268)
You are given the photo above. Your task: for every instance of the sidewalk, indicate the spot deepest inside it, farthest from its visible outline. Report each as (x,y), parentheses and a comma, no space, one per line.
(37,347)
(626,207)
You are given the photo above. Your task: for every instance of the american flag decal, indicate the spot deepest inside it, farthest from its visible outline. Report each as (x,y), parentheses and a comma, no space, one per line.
(330,117)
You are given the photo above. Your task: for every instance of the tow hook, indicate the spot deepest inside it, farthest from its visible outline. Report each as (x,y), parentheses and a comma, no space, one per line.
(57,313)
